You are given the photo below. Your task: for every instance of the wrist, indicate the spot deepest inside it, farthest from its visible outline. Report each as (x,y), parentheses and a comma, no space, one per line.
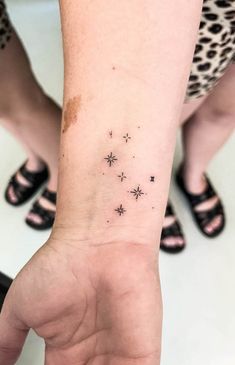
(83,234)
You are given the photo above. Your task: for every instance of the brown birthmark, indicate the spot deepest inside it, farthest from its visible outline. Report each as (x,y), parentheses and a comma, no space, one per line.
(71,112)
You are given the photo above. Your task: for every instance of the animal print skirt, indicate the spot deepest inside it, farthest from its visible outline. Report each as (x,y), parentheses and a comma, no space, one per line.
(214,52)
(215,48)
(5,26)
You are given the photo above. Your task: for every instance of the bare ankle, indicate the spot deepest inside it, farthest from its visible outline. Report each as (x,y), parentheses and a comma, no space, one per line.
(34,163)
(194,178)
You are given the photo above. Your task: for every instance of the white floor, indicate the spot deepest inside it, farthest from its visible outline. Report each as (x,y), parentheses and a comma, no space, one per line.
(198,286)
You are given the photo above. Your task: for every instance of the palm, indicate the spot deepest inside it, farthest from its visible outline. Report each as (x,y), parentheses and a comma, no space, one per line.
(92,305)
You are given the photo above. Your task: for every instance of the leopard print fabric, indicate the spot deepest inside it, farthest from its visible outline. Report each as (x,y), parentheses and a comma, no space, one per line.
(215,49)
(5,26)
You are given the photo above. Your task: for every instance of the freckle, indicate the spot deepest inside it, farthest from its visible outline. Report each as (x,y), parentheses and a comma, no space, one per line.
(103,173)
(113,68)
(107,221)
(153,207)
(133,156)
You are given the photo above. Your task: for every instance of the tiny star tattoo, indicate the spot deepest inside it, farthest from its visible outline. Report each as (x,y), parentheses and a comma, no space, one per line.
(127,137)
(120,210)
(122,176)
(111,159)
(152,178)
(137,193)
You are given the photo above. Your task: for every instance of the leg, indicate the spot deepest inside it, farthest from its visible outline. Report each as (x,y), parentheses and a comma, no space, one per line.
(212,124)
(28,113)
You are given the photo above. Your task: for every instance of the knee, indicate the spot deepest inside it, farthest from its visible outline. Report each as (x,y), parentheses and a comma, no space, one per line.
(222,116)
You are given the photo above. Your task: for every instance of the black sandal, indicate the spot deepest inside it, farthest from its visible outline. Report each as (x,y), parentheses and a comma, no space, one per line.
(47,215)
(203,218)
(174,230)
(24,193)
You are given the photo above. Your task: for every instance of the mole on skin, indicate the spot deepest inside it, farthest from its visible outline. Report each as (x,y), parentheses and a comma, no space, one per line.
(71,112)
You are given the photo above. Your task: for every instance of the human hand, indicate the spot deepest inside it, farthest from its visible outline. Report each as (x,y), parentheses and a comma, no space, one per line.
(91,305)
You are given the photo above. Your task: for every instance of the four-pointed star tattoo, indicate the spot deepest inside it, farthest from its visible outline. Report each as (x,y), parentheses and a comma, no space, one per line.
(122,176)
(137,193)
(120,210)
(111,159)
(127,137)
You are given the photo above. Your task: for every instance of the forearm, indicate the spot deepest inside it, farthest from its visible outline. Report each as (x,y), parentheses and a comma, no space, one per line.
(126,69)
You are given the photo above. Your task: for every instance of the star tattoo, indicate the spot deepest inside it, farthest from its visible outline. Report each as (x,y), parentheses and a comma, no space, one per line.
(120,210)
(137,193)
(127,137)
(111,159)
(122,176)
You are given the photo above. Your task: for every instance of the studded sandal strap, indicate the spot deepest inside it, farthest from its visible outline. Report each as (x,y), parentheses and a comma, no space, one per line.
(44,213)
(174,230)
(19,189)
(197,199)
(50,196)
(33,177)
(206,216)
(169,210)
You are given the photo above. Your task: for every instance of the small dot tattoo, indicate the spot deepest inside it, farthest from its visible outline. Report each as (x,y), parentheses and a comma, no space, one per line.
(127,137)
(111,159)
(111,134)
(120,210)
(122,176)
(152,178)
(137,193)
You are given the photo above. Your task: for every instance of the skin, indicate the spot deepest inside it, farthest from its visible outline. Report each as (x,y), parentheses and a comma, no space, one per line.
(71,112)
(100,302)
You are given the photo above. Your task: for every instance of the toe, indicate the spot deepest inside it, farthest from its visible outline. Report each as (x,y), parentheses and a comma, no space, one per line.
(209,228)
(217,222)
(214,225)
(11,195)
(173,241)
(34,218)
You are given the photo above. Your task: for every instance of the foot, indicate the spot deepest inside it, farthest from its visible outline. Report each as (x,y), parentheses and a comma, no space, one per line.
(42,214)
(172,239)
(97,305)
(33,166)
(196,183)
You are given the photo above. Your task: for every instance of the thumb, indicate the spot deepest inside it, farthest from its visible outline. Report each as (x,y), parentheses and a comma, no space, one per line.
(12,334)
